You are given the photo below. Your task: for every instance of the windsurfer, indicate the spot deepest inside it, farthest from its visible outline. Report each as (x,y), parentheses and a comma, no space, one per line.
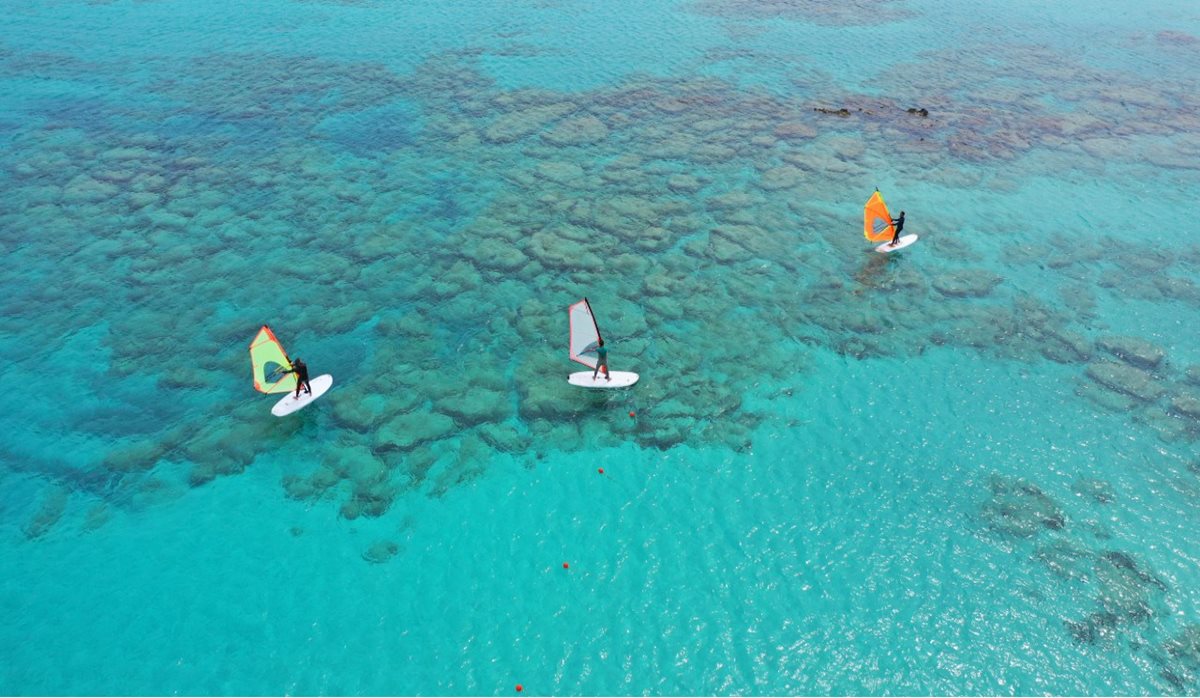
(301,370)
(601,360)
(899,223)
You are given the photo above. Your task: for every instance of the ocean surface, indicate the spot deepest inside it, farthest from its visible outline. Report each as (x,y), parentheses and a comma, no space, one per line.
(965,468)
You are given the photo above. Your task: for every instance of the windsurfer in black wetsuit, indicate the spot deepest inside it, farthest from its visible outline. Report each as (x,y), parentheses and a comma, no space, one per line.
(899,223)
(301,371)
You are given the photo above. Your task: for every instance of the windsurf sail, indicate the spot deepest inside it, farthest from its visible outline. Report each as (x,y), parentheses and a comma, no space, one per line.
(269,360)
(877,222)
(585,335)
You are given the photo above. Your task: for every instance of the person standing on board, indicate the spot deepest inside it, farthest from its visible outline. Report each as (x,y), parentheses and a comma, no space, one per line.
(899,223)
(601,359)
(301,371)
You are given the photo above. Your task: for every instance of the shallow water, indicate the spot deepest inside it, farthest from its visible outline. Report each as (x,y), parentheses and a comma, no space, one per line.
(966,468)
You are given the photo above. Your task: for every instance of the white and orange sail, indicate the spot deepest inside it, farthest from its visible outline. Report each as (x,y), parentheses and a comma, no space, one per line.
(585,335)
(877,221)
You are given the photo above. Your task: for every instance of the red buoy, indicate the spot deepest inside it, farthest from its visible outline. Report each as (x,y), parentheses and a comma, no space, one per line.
(566,566)
(632,413)
(601,471)
(520,688)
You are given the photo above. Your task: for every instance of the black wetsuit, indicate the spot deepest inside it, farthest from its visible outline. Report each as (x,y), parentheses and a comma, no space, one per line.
(301,370)
(899,223)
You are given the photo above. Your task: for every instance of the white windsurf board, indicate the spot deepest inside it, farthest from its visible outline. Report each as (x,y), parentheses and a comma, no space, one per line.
(290,403)
(620,379)
(904,241)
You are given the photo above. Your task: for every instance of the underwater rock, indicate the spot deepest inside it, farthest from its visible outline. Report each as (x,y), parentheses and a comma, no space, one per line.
(53,506)
(843,112)
(1067,560)
(469,464)
(519,124)
(546,400)
(1126,379)
(1098,491)
(1126,563)
(733,200)
(83,189)
(1192,375)
(794,131)
(361,411)
(296,487)
(582,130)
(137,456)
(1132,350)
(357,463)
(922,112)
(1105,398)
(96,517)
(1124,589)
(655,239)
(711,154)
(408,430)
(556,250)
(783,177)
(1019,508)
(664,433)
(972,283)
(496,254)
(685,183)
(1169,426)
(504,437)
(323,478)
(721,249)
(373,500)
(1178,38)
(1178,288)
(1187,405)
(559,172)
(664,307)
(475,406)
(350,510)
(1095,627)
(1066,347)
(1142,262)
(381,551)
(1179,658)
(138,200)
(201,473)
(861,348)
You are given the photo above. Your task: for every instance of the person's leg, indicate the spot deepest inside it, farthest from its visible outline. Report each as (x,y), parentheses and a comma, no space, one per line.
(307,386)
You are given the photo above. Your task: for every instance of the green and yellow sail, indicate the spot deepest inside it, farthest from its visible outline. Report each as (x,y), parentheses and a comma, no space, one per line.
(268,360)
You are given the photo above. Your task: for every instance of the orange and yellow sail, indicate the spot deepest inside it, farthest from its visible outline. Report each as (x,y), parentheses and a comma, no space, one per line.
(877,221)
(268,360)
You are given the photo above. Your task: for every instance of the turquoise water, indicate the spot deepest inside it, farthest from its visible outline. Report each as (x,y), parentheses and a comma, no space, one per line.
(969,468)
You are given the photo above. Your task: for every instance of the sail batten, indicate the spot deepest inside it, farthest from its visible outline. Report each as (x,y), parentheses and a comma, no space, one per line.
(585,335)
(877,221)
(267,361)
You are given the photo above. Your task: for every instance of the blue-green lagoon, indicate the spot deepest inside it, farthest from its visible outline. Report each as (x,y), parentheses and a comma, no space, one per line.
(969,467)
